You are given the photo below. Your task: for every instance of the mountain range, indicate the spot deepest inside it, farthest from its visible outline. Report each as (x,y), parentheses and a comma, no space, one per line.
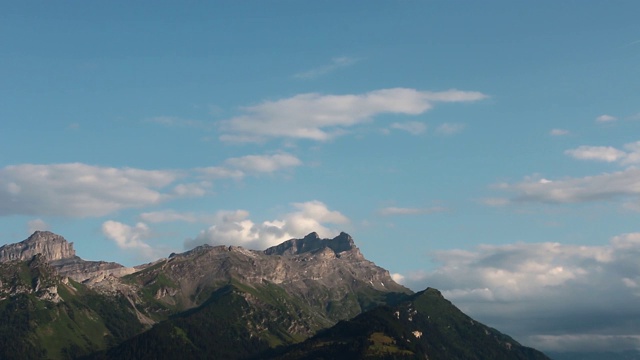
(308,298)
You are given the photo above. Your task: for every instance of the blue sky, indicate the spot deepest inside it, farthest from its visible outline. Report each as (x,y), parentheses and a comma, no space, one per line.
(489,149)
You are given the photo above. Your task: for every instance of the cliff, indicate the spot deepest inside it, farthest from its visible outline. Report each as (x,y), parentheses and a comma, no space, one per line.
(51,246)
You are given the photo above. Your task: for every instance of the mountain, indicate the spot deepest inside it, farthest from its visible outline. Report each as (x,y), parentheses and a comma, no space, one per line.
(46,316)
(61,255)
(424,326)
(300,297)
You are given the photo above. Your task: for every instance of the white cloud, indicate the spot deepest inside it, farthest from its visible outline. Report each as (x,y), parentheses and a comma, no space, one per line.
(37,225)
(602,153)
(264,163)
(80,190)
(235,227)
(399,278)
(412,127)
(558,132)
(540,292)
(450,128)
(389,211)
(607,186)
(335,64)
(130,238)
(606,118)
(321,117)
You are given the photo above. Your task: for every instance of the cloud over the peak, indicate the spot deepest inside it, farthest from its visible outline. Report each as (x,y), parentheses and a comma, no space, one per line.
(131,238)
(320,117)
(543,292)
(236,228)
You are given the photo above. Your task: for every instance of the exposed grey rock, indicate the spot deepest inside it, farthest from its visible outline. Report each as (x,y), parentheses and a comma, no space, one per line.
(62,257)
(51,246)
(323,272)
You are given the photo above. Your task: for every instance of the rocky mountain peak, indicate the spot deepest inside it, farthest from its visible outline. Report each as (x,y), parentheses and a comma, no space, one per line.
(51,246)
(313,243)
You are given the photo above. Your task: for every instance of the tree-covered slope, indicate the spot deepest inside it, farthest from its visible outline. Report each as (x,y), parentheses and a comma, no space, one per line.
(427,326)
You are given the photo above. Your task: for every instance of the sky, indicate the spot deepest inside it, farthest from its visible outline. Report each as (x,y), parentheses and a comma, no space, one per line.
(489,149)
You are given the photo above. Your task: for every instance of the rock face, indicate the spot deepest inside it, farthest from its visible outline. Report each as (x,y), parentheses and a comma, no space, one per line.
(51,246)
(324,272)
(62,257)
(312,242)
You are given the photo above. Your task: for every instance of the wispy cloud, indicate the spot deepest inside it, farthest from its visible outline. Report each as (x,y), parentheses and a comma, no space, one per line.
(603,187)
(412,127)
(606,118)
(558,132)
(449,128)
(390,211)
(335,64)
(264,163)
(322,117)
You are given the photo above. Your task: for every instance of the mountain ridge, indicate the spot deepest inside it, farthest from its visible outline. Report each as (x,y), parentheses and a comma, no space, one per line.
(222,302)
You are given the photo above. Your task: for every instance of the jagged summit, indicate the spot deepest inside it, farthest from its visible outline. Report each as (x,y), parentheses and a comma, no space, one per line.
(51,246)
(312,243)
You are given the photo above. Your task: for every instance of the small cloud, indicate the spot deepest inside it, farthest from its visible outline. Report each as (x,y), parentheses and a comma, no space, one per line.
(264,163)
(390,211)
(37,225)
(606,118)
(412,127)
(397,277)
(450,128)
(335,64)
(558,132)
(495,202)
(130,238)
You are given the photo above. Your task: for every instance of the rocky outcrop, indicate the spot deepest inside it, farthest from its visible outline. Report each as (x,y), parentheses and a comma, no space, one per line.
(34,276)
(51,246)
(59,253)
(312,243)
